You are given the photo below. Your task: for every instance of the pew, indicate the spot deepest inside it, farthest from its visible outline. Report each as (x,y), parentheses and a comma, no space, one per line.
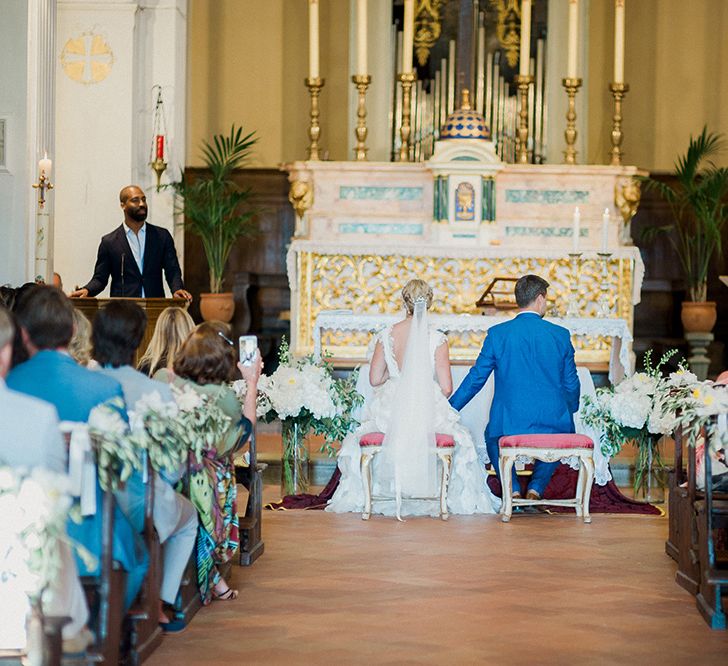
(250,524)
(712,516)
(142,622)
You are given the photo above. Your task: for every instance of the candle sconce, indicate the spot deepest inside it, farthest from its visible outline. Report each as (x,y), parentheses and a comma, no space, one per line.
(603,307)
(156,159)
(42,186)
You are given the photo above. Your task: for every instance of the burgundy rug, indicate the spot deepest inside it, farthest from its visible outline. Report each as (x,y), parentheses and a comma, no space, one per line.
(604,499)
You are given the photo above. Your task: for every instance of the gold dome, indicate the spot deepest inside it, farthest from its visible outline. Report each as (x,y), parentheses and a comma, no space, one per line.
(465,122)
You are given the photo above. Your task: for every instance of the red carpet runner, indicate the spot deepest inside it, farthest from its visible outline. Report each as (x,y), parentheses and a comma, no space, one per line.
(604,499)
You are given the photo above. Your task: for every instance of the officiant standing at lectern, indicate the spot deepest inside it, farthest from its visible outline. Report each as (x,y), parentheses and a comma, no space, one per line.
(134,256)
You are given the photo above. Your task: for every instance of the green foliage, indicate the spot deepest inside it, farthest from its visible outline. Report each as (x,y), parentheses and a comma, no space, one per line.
(698,204)
(214,206)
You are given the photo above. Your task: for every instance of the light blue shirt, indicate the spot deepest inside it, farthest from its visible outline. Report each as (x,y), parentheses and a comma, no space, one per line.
(137,243)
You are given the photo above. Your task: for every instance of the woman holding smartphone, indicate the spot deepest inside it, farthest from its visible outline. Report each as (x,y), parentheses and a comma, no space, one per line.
(206,362)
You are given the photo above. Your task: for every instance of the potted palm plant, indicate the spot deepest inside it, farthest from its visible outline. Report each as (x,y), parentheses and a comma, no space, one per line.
(217,210)
(698,204)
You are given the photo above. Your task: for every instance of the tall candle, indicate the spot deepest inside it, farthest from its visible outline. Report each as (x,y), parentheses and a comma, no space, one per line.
(525,56)
(45,165)
(361,37)
(573,39)
(605,231)
(313,39)
(618,41)
(160,146)
(409,30)
(575,230)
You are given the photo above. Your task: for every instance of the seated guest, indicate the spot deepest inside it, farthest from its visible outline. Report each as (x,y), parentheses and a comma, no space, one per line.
(171,330)
(80,346)
(29,438)
(46,319)
(206,361)
(117,332)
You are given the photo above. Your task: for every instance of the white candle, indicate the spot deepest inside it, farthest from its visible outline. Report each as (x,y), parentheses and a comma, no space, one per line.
(576,228)
(525,57)
(409,30)
(313,39)
(605,231)
(573,40)
(618,41)
(45,165)
(361,37)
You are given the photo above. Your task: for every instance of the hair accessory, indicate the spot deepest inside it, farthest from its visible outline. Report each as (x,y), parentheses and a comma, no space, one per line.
(226,338)
(420,299)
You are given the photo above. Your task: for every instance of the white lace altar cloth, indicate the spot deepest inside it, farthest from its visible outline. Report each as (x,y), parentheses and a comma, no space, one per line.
(475,415)
(620,362)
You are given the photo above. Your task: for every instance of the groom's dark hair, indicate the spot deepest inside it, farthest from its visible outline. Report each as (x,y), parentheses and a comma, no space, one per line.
(529,288)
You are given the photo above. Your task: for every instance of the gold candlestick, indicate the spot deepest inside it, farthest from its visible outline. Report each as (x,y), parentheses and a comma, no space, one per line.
(361,81)
(571,86)
(603,307)
(406,79)
(524,82)
(314,129)
(572,307)
(619,90)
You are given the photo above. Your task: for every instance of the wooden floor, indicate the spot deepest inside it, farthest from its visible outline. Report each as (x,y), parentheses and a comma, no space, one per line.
(544,589)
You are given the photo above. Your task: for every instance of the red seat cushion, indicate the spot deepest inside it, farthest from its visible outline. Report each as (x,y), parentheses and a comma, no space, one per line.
(547,441)
(376,439)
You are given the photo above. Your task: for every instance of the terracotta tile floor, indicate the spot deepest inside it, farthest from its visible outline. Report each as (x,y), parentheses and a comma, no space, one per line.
(332,589)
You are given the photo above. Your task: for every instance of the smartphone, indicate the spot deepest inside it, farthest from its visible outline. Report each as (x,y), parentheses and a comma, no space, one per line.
(247,346)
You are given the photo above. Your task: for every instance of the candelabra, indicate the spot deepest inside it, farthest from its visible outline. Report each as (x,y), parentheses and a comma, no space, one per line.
(314,86)
(361,81)
(572,86)
(619,90)
(572,309)
(406,79)
(524,82)
(603,307)
(42,186)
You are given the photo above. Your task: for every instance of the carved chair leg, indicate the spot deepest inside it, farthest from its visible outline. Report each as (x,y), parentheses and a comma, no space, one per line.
(446,460)
(580,482)
(588,482)
(366,479)
(506,468)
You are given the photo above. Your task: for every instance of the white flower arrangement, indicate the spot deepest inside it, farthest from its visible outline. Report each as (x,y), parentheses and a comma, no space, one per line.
(199,423)
(117,453)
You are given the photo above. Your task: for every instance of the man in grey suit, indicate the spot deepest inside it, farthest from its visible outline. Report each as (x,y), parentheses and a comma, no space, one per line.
(29,438)
(117,333)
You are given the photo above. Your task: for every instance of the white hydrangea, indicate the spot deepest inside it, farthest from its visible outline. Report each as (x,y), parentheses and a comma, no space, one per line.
(630,409)
(106,419)
(187,398)
(640,383)
(682,378)
(661,423)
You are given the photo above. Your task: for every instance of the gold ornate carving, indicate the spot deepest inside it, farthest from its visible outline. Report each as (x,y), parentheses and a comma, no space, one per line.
(87,59)
(508,28)
(428,27)
(372,283)
(300,195)
(627,195)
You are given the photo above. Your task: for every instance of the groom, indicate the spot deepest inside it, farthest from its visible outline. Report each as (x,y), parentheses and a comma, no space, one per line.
(536,385)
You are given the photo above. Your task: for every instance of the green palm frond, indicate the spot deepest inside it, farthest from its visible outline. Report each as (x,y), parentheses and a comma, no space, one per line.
(699,208)
(215,207)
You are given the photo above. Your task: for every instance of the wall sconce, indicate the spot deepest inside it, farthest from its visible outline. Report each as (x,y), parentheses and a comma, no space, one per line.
(156,157)
(44,167)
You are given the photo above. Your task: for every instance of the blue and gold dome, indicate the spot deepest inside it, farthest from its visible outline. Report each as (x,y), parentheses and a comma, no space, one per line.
(465,123)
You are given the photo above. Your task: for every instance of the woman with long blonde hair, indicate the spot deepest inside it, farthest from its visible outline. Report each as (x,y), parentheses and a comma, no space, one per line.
(172,328)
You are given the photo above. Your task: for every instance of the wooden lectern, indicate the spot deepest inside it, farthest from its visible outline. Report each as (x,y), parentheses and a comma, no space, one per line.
(152,306)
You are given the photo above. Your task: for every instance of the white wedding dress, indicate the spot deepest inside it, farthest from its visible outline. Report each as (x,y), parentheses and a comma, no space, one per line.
(417,474)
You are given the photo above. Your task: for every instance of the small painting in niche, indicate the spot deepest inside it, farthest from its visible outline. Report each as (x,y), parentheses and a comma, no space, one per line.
(464,203)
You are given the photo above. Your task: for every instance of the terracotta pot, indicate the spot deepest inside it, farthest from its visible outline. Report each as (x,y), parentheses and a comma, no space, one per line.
(217,307)
(698,317)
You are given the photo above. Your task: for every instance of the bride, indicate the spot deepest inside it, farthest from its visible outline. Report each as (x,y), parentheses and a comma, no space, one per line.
(410,373)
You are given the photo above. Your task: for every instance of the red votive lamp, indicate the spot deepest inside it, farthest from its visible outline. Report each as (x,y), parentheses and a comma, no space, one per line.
(160,146)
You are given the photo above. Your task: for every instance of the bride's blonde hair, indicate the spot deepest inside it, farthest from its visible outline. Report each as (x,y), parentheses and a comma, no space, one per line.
(415,290)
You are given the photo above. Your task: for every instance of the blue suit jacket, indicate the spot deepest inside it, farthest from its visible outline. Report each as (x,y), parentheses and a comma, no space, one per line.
(536,385)
(74,391)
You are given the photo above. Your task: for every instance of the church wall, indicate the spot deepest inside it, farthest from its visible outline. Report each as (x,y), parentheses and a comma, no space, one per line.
(13,173)
(676,66)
